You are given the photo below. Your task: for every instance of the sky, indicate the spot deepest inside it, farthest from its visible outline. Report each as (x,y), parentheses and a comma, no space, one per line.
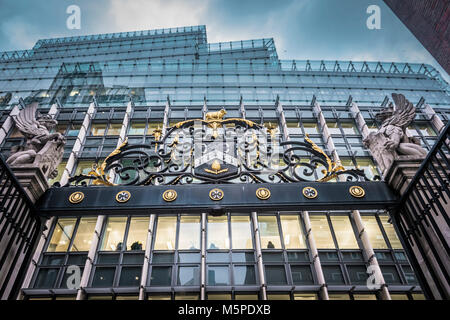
(302,29)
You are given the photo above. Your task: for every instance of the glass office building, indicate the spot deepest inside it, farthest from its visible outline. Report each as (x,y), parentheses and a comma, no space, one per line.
(108,87)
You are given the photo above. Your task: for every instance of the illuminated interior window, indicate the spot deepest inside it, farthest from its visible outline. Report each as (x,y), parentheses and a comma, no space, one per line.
(218,233)
(85,232)
(165,233)
(241,232)
(114,129)
(368,166)
(152,126)
(375,236)
(137,234)
(292,232)
(321,232)
(305,296)
(390,232)
(83,167)
(338,296)
(98,129)
(364,297)
(333,128)
(62,235)
(269,233)
(137,129)
(426,130)
(60,168)
(344,232)
(349,128)
(399,296)
(189,234)
(61,128)
(113,234)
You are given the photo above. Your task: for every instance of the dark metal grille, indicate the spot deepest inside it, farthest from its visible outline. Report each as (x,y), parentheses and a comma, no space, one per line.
(19,231)
(422,219)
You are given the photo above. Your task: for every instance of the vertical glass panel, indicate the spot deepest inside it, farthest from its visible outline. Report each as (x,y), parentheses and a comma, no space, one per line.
(390,275)
(161,276)
(338,296)
(390,232)
(60,169)
(218,233)
(188,276)
(278,296)
(113,234)
(98,129)
(321,232)
(275,275)
(399,296)
(137,234)
(165,233)
(189,234)
(246,296)
(61,235)
(186,296)
(130,276)
(218,276)
(103,277)
(268,231)
(85,232)
(219,296)
(137,129)
(418,296)
(344,233)
(114,129)
(357,274)
(241,233)
(373,230)
(159,297)
(333,274)
(292,232)
(302,275)
(244,275)
(46,278)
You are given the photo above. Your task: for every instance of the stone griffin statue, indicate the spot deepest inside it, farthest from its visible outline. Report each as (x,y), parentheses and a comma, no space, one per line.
(42,148)
(391,142)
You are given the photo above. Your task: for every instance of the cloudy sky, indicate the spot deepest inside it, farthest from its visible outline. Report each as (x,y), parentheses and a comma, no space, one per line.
(302,29)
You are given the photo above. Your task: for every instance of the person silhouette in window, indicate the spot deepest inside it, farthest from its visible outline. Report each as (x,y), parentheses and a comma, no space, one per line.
(213,246)
(270,245)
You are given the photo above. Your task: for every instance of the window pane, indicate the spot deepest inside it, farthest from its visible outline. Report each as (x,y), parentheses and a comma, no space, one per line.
(218,233)
(321,232)
(338,296)
(275,275)
(114,129)
(390,275)
(189,235)
(137,234)
(137,129)
(292,232)
(375,236)
(390,232)
(113,235)
(310,128)
(160,297)
(244,275)
(302,275)
(357,274)
(218,276)
(241,232)
(349,128)
(130,276)
(161,276)
(103,277)
(219,296)
(85,232)
(46,278)
(165,233)
(333,274)
(188,276)
(245,296)
(344,232)
(305,296)
(268,231)
(61,235)
(98,129)
(275,296)
(398,296)
(364,297)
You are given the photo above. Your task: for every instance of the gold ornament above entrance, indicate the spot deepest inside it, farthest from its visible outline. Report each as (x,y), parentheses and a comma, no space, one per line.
(169,195)
(263,193)
(123,196)
(310,192)
(216,168)
(216,194)
(357,191)
(76,197)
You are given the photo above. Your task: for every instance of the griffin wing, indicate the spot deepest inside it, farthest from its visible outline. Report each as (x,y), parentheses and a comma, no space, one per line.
(404,111)
(27,124)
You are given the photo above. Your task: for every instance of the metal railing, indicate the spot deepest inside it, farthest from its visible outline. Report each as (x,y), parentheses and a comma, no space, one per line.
(19,231)
(422,219)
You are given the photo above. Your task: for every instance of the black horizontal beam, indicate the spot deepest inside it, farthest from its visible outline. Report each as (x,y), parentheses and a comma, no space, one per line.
(195,198)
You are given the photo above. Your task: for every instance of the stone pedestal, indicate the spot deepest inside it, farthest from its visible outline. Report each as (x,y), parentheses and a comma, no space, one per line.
(32,179)
(402,172)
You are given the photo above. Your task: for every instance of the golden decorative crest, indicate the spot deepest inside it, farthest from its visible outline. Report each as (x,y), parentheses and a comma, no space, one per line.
(310,192)
(216,168)
(216,194)
(357,191)
(263,193)
(169,195)
(123,196)
(76,197)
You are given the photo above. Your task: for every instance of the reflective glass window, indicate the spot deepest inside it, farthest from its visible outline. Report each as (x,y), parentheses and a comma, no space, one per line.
(244,275)
(218,233)
(321,232)
(292,232)
(189,276)
(390,232)
(373,230)
(62,235)
(85,232)
(269,233)
(189,234)
(114,129)
(344,232)
(241,232)
(165,233)
(113,234)
(98,129)
(137,233)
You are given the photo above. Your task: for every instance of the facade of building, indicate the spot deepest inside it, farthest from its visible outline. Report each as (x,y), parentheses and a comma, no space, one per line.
(429,21)
(136,87)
